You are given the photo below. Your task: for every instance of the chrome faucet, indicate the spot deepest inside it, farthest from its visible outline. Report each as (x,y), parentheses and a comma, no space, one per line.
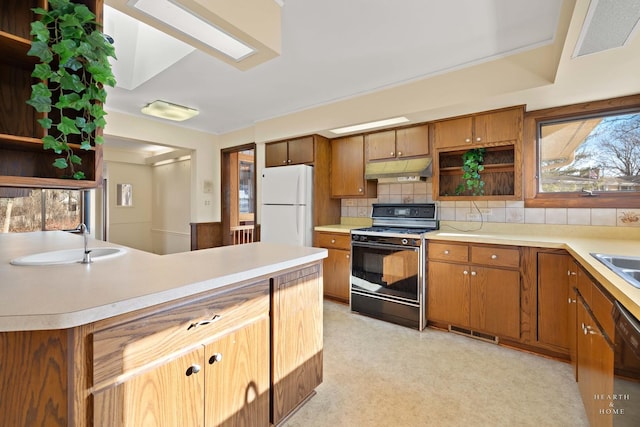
(86,259)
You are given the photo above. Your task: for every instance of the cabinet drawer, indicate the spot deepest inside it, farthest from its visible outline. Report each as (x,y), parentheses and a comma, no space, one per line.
(448,252)
(334,240)
(172,329)
(495,256)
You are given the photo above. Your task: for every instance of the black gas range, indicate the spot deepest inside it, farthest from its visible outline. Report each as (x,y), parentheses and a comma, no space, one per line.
(388,263)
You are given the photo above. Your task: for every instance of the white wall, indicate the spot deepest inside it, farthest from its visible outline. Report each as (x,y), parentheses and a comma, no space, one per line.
(171,203)
(130,226)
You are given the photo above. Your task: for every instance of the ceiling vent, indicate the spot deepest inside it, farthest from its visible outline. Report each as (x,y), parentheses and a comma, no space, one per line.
(609,24)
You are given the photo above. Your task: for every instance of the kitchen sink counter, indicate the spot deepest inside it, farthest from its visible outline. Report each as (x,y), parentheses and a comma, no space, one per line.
(64,296)
(579,241)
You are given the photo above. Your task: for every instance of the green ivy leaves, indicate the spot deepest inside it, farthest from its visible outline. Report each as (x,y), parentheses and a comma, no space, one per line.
(74,69)
(471,167)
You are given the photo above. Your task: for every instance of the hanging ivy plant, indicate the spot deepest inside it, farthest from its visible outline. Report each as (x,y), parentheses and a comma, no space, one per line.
(74,70)
(471,167)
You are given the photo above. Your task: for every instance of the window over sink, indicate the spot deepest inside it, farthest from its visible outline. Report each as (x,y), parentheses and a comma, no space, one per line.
(584,155)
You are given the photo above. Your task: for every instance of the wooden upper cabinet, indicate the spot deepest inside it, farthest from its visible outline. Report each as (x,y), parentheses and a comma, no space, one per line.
(347,169)
(412,141)
(292,152)
(499,126)
(453,133)
(380,145)
(301,150)
(480,129)
(275,154)
(394,144)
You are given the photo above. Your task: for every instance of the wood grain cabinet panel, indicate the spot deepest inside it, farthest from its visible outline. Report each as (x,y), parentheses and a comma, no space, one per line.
(412,141)
(473,293)
(337,265)
(453,132)
(347,169)
(276,154)
(296,345)
(554,299)
(293,152)
(396,144)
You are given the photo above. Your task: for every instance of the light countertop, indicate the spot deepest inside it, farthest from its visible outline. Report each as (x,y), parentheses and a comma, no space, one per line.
(579,241)
(63,296)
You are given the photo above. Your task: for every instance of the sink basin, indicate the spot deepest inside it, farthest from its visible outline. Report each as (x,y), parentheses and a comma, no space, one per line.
(68,256)
(627,267)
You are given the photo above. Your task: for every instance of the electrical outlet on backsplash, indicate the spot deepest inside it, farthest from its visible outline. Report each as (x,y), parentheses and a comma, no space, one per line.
(512,212)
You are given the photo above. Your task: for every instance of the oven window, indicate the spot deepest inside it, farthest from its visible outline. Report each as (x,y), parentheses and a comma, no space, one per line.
(385,271)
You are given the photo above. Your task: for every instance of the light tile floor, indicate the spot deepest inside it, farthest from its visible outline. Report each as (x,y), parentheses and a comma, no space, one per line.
(380,374)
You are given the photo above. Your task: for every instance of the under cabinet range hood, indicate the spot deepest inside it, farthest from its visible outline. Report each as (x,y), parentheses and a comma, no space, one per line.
(419,168)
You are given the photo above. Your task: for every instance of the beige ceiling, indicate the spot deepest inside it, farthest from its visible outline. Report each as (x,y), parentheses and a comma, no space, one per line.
(348,62)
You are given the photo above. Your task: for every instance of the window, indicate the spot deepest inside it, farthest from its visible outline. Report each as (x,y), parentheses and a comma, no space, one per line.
(23,210)
(585,155)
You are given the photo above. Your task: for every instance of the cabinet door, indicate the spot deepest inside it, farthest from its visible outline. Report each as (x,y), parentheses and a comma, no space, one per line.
(275,154)
(336,274)
(412,141)
(497,127)
(347,167)
(553,299)
(453,133)
(296,339)
(448,293)
(495,301)
(169,395)
(237,377)
(380,145)
(301,151)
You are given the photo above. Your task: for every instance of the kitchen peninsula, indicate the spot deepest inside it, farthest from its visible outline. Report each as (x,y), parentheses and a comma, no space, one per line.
(143,338)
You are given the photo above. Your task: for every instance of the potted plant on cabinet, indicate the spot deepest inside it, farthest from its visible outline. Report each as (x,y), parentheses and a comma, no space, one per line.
(472,165)
(73,71)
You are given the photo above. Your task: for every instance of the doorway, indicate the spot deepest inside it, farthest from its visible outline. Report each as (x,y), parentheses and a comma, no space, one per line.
(239,195)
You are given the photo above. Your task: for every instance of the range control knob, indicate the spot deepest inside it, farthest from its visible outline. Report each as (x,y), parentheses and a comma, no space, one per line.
(404,241)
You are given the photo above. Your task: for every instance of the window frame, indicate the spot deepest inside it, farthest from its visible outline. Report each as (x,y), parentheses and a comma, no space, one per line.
(532,119)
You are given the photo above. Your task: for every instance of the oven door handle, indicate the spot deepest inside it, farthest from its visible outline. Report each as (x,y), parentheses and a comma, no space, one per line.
(384,245)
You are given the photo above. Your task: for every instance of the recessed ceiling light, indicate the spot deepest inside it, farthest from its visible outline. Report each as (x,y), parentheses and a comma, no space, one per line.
(193,26)
(169,111)
(370,125)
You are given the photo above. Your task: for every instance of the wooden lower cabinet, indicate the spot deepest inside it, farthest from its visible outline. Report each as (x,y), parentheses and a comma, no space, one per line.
(337,265)
(595,356)
(475,295)
(203,360)
(296,345)
(554,299)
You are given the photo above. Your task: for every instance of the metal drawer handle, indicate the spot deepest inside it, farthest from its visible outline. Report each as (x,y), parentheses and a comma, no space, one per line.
(347,256)
(494,256)
(465,272)
(194,325)
(217,357)
(333,240)
(473,273)
(193,369)
(446,252)
(571,301)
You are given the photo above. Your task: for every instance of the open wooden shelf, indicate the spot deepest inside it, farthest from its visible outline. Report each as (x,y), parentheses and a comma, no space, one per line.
(500,174)
(23,161)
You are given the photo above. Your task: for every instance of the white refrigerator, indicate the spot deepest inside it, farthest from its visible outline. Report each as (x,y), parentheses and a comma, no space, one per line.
(287,196)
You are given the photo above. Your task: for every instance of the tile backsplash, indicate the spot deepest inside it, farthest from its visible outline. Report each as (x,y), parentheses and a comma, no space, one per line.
(491,211)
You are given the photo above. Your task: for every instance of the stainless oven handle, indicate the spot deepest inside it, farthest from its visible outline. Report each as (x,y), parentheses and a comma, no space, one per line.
(384,245)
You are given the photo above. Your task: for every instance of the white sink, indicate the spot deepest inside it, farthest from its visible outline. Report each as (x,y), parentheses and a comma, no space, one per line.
(68,256)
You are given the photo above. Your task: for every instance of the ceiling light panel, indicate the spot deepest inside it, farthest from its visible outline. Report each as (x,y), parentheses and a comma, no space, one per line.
(193,26)
(169,111)
(369,125)
(609,24)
